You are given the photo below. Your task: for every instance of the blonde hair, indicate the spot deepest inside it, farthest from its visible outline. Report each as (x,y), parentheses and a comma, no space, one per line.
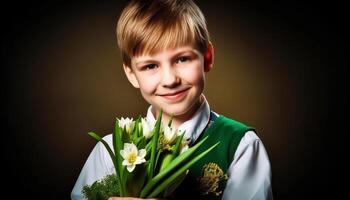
(148,26)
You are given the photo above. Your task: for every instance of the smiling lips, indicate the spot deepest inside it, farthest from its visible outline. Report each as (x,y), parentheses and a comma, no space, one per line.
(175,96)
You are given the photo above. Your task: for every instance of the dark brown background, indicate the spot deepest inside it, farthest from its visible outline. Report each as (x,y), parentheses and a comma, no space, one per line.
(278,66)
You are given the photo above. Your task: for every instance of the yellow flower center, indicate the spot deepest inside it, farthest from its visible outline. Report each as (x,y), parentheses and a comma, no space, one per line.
(132,157)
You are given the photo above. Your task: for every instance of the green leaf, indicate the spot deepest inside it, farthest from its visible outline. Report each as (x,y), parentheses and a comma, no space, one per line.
(136,130)
(159,153)
(148,150)
(178,144)
(117,144)
(178,161)
(125,135)
(171,120)
(172,186)
(141,143)
(154,143)
(162,186)
(166,160)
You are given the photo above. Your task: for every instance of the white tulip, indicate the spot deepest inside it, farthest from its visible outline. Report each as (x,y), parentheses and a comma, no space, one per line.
(169,134)
(132,156)
(147,128)
(180,132)
(126,123)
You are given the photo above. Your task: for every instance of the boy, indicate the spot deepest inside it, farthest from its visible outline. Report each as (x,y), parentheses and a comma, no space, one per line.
(166,53)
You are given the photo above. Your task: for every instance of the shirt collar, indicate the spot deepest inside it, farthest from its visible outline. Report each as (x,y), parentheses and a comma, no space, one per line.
(194,126)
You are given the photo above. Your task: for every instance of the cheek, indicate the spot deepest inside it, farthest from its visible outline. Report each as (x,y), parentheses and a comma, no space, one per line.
(147,86)
(194,75)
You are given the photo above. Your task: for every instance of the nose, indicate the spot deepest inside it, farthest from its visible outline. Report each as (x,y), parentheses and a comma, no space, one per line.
(170,78)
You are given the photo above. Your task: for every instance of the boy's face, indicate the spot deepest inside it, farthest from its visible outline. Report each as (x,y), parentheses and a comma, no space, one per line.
(172,79)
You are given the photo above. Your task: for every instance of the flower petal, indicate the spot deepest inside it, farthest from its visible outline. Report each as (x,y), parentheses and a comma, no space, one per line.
(130,168)
(125,162)
(142,153)
(133,148)
(123,153)
(139,160)
(127,146)
(184,148)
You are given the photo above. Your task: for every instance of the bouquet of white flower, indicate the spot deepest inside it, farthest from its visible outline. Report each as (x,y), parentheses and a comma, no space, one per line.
(156,158)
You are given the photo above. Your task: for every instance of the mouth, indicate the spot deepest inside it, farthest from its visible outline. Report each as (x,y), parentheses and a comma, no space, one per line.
(175,96)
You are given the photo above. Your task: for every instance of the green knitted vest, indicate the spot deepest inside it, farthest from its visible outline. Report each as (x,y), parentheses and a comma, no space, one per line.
(208,181)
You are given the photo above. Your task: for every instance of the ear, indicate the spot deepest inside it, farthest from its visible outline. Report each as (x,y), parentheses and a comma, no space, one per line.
(209,58)
(130,74)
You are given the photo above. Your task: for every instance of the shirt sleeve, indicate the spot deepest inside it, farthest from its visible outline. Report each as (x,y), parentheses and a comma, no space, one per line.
(250,171)
(97,166)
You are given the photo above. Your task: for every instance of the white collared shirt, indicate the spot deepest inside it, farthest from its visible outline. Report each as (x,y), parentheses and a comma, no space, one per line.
(249,173)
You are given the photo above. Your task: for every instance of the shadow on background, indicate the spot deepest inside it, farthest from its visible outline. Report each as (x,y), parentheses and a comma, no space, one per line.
(279,67)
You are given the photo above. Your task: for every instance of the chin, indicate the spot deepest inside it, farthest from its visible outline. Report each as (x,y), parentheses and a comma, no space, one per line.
(177,110)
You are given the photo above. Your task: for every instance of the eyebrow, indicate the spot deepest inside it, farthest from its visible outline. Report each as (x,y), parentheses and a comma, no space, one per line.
(146,61)
(172,57)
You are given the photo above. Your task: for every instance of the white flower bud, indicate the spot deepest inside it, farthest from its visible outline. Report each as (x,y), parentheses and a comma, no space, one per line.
(147,128)
(126,123)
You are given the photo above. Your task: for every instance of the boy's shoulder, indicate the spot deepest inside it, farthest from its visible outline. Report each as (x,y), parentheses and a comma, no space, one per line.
(227,124)
(227,130)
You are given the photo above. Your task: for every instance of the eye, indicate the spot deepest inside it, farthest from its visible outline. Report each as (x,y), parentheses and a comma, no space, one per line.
(182,59)
(149,67)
